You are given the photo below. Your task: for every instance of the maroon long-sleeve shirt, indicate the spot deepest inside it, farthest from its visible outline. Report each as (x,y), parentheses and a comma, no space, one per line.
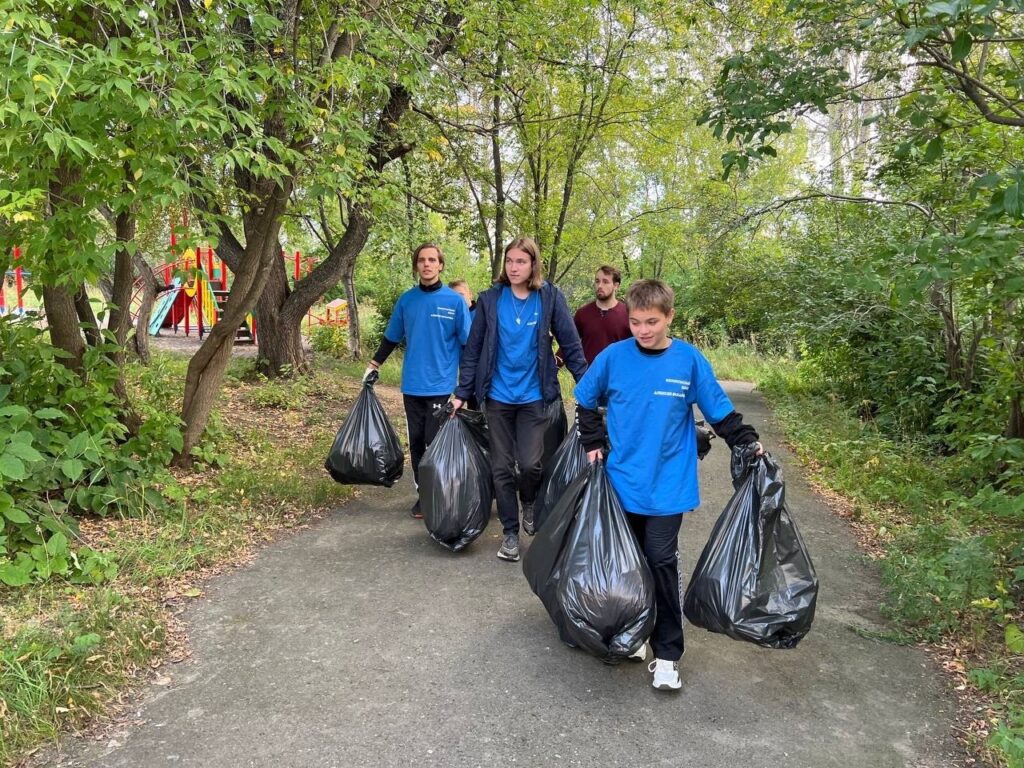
(598,327)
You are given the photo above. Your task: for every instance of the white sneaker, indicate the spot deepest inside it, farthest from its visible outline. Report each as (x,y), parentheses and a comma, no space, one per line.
(666,675)
(640,654)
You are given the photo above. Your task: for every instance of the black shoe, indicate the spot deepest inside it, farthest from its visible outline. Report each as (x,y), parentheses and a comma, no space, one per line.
(528,518)
(415,512)
(510,548)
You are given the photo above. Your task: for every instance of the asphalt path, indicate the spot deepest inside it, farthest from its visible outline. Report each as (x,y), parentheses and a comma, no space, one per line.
(360,642)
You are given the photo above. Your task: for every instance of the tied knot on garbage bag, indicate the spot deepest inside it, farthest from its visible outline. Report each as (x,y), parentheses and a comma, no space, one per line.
(455,480)
(589,571)
(366,450)
(475,422)
(754,581)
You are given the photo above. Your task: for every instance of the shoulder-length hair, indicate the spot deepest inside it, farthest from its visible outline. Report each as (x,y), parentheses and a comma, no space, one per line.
(527,245)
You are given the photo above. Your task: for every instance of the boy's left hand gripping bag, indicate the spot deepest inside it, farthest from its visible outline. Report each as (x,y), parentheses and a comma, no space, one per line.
(366,450)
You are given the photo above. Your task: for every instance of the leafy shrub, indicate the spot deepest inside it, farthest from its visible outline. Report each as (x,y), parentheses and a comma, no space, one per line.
(330,340)
(64,451)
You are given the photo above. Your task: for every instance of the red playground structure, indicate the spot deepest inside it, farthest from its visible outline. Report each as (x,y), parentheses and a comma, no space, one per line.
(15,277)
(196,288)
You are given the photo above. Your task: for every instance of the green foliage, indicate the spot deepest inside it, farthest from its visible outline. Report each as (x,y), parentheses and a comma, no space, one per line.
(954,562)
(64,452)
(330,340)
(59,672)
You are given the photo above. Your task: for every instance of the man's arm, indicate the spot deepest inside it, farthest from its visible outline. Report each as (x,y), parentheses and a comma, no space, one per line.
(734,431)
(593,433)
(396,329)
(567,337)
(471,357)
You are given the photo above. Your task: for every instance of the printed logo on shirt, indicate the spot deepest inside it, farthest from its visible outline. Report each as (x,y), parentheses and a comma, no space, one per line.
(443,313)
(536,319)
(682,384)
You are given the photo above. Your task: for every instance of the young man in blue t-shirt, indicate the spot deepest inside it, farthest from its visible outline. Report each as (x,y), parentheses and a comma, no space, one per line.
(650,384)
(433,320)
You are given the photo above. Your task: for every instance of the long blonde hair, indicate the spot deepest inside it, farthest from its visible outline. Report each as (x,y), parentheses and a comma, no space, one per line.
(526,245)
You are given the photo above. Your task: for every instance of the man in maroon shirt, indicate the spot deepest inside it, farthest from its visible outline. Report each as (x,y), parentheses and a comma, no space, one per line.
(605,320)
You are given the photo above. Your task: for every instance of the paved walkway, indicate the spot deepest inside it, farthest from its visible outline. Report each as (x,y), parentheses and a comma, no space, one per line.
(360,642)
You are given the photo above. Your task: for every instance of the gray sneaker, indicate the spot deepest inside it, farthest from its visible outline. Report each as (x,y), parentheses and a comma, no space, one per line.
(528,525)
(510,548)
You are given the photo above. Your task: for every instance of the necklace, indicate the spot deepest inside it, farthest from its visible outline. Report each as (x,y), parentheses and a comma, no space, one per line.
(519,310)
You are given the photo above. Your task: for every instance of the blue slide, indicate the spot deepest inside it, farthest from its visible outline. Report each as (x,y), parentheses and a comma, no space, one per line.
(162,307)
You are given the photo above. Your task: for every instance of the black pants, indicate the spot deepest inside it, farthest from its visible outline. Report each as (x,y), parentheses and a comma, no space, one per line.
(422,424)
(517,436)
(659,539)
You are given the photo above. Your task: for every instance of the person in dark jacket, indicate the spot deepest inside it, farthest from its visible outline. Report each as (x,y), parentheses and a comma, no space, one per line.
(508,365)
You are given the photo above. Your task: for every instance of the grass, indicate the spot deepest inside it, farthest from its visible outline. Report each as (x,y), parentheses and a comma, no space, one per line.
(67,651)
(950,549)
(740,362)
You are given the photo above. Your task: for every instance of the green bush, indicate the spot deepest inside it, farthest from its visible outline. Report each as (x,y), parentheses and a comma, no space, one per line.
(330,340)
(65,452)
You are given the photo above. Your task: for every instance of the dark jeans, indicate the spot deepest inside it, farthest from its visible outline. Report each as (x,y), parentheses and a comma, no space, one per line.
(422,423)
(659,539)
(517,436)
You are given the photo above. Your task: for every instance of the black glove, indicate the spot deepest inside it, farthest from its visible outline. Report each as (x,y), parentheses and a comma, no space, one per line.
(704,438)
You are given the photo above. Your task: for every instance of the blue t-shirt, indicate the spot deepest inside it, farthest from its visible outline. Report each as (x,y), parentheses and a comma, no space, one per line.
(653,460)
(516,375)
(435,326)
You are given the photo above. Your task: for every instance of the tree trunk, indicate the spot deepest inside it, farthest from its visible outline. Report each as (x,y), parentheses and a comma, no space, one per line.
(280,340)
(62,322)
(207,366)
(120,318)
(87,318)
(354,335)
(1015,424)
(140,337)
(499,175)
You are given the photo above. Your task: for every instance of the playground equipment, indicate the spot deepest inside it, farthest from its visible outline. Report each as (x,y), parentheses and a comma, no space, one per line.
(196,289)
(15,277)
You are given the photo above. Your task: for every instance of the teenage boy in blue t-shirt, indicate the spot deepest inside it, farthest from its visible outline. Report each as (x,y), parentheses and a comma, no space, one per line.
(434,321)
(650,384)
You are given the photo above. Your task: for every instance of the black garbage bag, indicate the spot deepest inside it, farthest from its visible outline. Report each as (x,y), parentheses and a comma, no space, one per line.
(366,450)
(588,570)
(555,426)
(754,580)
(568,463)
(455,484)
(476,423)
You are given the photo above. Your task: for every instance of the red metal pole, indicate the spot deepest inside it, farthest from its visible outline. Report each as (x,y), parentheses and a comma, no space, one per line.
(209,263)
(298,266)
(19,285)
(223,275)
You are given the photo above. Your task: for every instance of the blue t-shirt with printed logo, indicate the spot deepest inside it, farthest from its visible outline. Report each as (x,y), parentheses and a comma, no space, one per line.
(516,374)
(652,463)
(435,326)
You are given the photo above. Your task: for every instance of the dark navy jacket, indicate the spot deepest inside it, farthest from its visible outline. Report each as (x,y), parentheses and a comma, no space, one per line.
(480,355)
